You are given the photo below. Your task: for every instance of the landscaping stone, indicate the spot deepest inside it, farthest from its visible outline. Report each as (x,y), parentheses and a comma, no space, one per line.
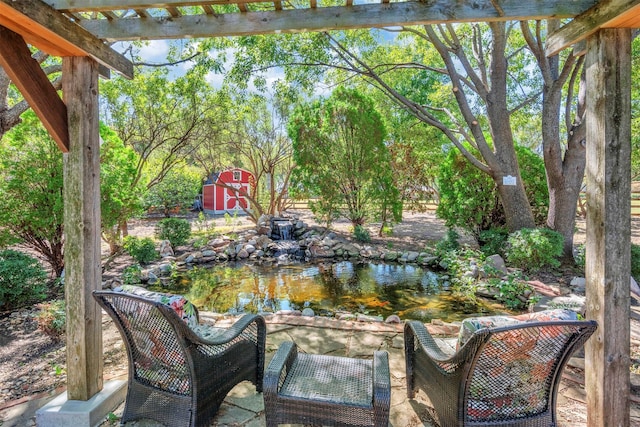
(497,262)
(308,312)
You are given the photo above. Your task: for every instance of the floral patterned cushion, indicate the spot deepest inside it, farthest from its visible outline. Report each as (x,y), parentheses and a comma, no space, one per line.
(182,306)
(472,324)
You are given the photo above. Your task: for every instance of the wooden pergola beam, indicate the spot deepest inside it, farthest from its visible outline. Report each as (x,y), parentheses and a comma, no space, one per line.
(328,18)
(484,9)
(602,14)
(50,31)
(33,83)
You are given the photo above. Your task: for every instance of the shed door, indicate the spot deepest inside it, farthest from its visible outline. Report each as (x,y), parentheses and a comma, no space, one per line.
(231,201)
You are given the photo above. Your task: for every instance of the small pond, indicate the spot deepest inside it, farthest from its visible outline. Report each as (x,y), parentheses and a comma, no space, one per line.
(329,287)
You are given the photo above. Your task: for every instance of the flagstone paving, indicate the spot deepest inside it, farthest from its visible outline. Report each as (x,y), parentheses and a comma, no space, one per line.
(318,335)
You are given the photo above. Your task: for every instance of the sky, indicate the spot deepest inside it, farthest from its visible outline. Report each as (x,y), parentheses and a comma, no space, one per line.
(156,51)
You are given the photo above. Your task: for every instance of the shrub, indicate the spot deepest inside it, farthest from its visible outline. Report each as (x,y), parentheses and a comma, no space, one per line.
(578,255)
(635,261)
(513,291)
(534,248)
(493,241)
(52,318)
(132,275)
(469,198)
(449,242)
(142,250)
(361,234)
(22,280)
(176,230)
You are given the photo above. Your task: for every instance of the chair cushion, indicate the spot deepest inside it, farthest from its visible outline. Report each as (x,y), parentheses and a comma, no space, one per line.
(208,332)
(473,324)
(182,306)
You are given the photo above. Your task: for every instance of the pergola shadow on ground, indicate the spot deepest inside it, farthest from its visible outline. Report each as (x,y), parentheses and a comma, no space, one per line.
(243,406)
(77,31)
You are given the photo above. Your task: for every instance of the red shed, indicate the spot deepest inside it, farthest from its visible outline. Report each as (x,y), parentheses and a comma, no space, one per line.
(227,193)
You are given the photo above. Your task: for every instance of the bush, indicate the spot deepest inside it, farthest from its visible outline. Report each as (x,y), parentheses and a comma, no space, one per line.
(635,259)
(635,262)
(469,198)
(449,242)
(176,230)
(132,275)
(52,318)
(361,234)
(493,241)
(22,280)
(142,250)
(513,291)
(534,248)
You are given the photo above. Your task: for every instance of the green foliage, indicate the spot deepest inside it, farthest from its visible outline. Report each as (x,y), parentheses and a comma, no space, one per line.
(176,230)
(120,189)
(513,291)
(449,242)
(204,225)
(132,275)
(142,250)
(469,198)
(342,159)
(22,280)
(458,263)
(535,183)
(361,234)
(534,249)
(493,240)
(578,255)
(635,262)
(52,318)
(31,206)
(177,190)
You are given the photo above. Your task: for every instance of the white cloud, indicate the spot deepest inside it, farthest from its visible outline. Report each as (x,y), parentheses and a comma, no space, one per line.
(155,51)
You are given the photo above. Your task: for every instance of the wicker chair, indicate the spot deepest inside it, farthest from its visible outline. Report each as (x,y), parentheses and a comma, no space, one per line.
(506,376)
(176,377)
(326,390)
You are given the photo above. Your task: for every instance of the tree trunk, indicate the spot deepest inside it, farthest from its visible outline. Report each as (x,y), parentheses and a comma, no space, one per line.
(565,170)
(516,205)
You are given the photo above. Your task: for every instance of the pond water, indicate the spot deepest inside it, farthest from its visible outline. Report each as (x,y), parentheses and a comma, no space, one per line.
(370,288)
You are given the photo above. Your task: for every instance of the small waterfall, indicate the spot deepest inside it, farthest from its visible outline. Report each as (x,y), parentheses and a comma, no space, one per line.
(285,230)
(285,247)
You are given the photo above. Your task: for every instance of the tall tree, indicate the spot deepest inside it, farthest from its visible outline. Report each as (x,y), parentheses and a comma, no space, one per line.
(341,157)
(31,208)
(120,198)
(564,152)
(471,60)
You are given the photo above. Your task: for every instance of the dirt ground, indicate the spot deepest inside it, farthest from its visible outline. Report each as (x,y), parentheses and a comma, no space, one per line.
(32,365)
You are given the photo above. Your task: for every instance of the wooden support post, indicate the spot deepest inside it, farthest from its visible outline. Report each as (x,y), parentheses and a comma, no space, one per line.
(608,73)
(82,228)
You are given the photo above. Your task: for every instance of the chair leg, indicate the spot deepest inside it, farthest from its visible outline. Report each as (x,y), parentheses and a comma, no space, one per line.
(409,353)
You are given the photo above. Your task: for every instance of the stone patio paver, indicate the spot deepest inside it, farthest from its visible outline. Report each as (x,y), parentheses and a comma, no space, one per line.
(243,407)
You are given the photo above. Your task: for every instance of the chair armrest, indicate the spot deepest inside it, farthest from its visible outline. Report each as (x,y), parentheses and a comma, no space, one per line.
(425,343)
(232,332)
(381,380)
(416,330)
(278,368)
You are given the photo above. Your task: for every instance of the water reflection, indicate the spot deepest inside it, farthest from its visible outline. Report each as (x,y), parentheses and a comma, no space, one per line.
(370,288)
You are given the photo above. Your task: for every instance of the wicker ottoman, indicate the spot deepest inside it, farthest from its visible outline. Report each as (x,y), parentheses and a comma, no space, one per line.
(328,390)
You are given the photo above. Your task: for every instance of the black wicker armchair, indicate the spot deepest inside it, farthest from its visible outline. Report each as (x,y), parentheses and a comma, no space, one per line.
(176,376)
(504,376)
